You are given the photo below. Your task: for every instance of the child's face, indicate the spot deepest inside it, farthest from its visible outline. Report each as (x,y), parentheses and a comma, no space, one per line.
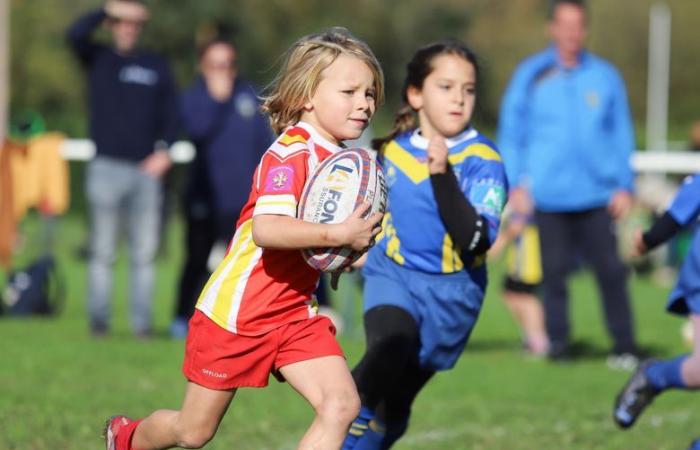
(344,101)
(445,103)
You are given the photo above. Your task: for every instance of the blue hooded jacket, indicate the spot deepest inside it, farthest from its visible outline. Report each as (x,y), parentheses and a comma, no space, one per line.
(566,133)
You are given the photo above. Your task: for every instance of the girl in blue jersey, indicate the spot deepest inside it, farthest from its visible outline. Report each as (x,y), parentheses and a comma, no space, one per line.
(425,278)
(653,377)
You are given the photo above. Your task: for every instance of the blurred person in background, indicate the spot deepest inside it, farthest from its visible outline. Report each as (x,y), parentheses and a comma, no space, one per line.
(520,241)
(695,136)
(566,135)
(34,176)
(221,115)
(133,120)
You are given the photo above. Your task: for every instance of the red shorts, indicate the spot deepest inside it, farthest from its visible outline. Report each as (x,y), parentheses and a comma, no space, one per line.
(219,359)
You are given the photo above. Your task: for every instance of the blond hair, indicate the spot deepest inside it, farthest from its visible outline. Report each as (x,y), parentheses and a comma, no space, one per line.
(301,73)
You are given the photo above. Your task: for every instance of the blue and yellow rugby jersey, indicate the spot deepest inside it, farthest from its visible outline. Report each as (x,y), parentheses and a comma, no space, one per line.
(413,234)
(523,260)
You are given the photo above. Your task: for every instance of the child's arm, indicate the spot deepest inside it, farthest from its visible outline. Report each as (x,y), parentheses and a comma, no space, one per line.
(499,244)
(684,209)
(463,223)
(284,232)
(471,231)
(662,230)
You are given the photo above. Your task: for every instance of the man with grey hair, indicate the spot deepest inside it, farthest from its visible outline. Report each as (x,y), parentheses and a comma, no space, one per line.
(566,136)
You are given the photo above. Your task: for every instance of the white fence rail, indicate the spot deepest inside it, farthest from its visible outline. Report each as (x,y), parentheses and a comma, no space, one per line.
(650,161)
(84,150)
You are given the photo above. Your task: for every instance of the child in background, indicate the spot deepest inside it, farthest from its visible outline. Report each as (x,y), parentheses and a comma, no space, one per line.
(653,377)
(255,316)
(425,278)
(520,241)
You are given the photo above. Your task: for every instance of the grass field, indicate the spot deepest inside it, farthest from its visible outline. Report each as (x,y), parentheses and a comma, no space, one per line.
(57,385)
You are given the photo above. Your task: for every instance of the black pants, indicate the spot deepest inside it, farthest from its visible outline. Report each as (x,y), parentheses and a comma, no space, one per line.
(204,229)
(588,234)
(389,377)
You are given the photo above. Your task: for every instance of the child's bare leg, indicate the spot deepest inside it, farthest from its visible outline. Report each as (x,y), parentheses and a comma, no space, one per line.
(690,370)
(327,385)
(191,427)
(527,310)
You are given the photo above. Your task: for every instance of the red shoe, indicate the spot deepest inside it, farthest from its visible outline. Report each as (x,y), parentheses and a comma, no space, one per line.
(111,429)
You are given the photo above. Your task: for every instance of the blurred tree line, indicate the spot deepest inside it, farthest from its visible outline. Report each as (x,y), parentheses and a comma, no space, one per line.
(46,77)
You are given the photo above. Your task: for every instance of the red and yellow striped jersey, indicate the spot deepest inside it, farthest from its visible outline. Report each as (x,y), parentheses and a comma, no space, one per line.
(255,290)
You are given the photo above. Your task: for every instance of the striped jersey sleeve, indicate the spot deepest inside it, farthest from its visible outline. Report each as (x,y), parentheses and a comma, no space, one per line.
(281,175)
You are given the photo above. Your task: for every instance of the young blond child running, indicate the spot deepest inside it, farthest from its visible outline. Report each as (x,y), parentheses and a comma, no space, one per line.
(425,278)
(256,315)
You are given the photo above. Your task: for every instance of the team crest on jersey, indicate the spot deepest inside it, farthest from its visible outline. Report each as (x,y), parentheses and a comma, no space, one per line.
(489,198)
(279,179)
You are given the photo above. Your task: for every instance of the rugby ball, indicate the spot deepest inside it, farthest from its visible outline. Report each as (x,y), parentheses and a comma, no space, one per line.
(338,186)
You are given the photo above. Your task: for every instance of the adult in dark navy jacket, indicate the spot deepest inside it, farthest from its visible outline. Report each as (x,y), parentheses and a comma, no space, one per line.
(221,115)
(133,120)
(566,136)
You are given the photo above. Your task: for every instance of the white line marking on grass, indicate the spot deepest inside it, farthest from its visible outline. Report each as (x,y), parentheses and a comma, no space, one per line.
(442,434)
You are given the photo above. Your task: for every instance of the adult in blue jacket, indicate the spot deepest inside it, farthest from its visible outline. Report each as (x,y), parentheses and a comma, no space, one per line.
(221,115)
(566,137)
(133,120)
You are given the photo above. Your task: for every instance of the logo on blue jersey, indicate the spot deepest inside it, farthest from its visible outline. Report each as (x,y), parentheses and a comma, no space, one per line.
(488,198)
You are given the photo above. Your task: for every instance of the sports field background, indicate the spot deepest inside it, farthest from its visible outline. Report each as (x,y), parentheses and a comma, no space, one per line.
(57,385)
(47,78)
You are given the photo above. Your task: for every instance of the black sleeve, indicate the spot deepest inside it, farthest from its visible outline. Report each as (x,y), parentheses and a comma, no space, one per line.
(466,227)
(80,35)
(662,230)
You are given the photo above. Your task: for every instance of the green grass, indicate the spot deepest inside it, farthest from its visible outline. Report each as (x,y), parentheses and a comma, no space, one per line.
(57,385)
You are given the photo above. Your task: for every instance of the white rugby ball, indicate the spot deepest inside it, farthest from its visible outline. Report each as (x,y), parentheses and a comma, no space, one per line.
(338,186)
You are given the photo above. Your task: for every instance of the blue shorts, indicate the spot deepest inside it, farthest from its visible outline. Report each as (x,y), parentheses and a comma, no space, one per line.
(683,301)
(445,306)
(685,297)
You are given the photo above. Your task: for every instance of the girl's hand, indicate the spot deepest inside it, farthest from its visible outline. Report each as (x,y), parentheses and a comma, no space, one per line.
(638,246)
(359,262)
(359,233)
(437,155)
